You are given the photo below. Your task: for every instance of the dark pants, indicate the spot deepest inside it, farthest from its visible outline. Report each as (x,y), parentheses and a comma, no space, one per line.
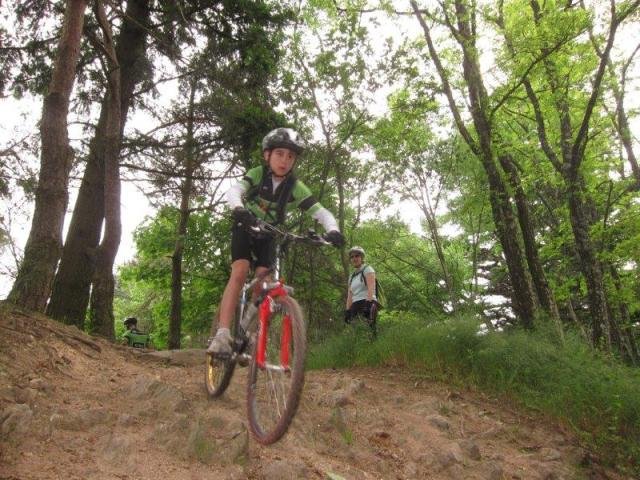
(367,310)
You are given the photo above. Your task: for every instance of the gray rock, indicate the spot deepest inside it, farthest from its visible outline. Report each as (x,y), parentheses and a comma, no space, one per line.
(338,399)
(126,419)
(117,449)
(411,470)
(188,357)
(550,454)
(453,456)
(7,394)
(211,441)
(172,435)
(80,420)
(40,384)
(26,395)
(283,470)
(439,422)
(470,449)
(423,407)
(15,420)
(496,472)
(338,421)
(157,398)
(355,386)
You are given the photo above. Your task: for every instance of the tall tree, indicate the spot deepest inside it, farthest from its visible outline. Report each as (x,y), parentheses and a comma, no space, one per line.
(568,155)
(332,85)
(189,154)
(103,282)
(204,139)
(70,295)
(464,31)
(42,251)
(407,150)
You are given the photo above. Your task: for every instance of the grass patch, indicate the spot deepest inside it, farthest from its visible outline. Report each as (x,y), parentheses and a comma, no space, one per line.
(597,396)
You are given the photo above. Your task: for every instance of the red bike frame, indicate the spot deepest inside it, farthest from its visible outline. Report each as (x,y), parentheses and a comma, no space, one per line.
(264,317)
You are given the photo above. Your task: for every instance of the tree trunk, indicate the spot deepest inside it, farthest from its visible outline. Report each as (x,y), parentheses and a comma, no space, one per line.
(175,321)
(545,295)
(428,211)
(624,131)
(523,299)
(589,264)
(629,346)
(32,286)
(103,281)
(72,284)
(572,148)
(524,302)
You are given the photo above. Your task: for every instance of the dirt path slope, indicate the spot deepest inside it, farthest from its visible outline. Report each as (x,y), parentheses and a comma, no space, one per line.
(73,407)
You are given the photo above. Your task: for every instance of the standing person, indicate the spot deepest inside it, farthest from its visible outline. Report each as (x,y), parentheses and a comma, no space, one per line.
(266,192)
(361,291)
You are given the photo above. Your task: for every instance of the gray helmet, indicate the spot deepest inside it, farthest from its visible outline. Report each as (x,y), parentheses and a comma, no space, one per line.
(283,138)
(356,249)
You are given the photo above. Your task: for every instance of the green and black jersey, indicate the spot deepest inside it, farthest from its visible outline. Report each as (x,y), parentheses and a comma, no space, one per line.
(262,199)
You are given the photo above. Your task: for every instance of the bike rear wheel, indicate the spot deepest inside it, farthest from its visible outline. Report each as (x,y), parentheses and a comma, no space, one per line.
(218,374)
(273,391)
(218,371)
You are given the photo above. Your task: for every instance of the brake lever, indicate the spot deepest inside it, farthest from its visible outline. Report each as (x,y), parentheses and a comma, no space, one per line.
(313,235)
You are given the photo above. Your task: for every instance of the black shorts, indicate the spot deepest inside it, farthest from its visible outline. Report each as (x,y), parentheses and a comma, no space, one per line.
(260,252)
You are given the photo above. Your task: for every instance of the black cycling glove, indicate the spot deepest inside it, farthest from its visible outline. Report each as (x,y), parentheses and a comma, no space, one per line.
(244,217)
(335,238)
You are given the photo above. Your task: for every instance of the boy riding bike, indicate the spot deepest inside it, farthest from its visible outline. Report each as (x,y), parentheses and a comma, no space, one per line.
(265,193)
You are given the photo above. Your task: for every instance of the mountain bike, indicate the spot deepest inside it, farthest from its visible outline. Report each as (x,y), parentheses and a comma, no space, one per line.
(273,346)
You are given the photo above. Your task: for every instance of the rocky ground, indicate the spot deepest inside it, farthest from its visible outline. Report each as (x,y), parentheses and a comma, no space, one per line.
(75,407)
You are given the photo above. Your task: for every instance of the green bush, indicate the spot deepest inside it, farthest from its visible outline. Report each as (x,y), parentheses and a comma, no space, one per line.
(597,396)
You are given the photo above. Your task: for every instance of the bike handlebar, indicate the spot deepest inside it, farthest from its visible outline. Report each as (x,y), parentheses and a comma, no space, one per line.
(311,238)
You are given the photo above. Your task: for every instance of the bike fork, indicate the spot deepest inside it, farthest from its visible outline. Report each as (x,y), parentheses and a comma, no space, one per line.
(285,338)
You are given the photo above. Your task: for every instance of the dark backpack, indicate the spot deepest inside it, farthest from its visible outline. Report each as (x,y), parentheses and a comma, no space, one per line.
(380,296)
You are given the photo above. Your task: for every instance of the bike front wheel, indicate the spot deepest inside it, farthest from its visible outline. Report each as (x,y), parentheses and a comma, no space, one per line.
(274,389)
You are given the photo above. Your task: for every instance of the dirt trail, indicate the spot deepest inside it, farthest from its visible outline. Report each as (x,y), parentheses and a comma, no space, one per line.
(74,407)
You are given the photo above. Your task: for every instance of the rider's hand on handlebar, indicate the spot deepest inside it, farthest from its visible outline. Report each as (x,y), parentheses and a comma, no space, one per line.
(335,238)
(244,217)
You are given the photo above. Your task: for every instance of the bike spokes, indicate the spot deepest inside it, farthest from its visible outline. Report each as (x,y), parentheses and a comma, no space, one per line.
(285,342)
(274,387)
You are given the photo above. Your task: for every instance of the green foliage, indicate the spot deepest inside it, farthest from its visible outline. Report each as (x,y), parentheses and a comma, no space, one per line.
(597,396)
(408,267)
(144,285)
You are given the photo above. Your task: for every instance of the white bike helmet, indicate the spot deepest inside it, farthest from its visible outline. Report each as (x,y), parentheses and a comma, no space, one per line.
(356,249)
(284,138)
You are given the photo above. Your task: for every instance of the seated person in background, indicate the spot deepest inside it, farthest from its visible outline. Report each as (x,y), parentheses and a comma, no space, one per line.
(132,336)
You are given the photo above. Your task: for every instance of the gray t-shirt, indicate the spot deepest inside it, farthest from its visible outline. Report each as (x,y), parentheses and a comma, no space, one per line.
(358,287)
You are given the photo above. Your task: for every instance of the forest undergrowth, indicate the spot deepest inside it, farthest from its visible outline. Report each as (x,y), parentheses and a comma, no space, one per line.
(596,396)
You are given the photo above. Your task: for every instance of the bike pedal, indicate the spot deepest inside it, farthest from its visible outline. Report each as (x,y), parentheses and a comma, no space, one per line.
(243,359)
(221,356)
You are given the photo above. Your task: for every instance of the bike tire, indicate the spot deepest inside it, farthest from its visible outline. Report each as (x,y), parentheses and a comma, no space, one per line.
(219,371)
(273,395)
